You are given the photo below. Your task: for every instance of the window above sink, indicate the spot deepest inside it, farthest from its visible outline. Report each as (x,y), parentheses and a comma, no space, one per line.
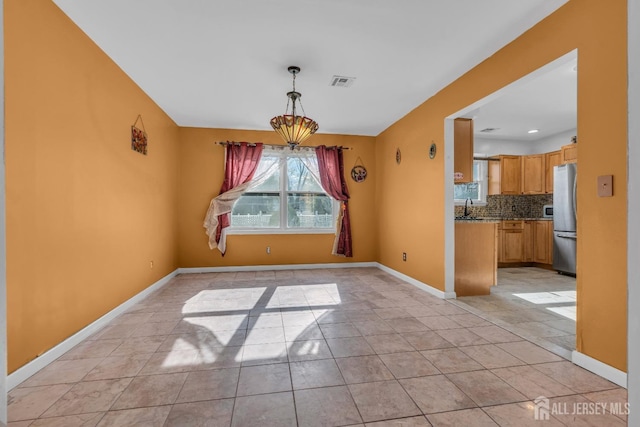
(476,190)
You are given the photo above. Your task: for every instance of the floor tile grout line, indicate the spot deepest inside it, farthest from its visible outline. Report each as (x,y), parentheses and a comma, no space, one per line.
(293,395)
(507,327)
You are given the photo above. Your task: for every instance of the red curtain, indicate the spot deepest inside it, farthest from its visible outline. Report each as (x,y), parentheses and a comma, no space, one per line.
(331,168)
(241,163)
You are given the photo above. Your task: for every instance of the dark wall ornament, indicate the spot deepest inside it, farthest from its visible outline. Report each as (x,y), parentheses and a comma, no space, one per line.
(139,137)
(432,150)
(359,173)
(398,156)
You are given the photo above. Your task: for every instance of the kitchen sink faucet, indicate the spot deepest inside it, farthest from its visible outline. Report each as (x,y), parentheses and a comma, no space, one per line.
(466,208)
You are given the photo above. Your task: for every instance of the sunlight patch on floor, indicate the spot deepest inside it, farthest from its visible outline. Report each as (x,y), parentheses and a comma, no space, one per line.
(548,297)
(568,311)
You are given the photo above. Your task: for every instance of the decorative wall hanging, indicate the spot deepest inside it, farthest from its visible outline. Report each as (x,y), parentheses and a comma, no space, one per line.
(358,172)
(432,150)
(139,137)
(398,156)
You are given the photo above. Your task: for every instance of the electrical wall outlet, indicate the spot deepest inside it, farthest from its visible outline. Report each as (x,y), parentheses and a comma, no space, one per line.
(151,265)
(404,256)
(268,250)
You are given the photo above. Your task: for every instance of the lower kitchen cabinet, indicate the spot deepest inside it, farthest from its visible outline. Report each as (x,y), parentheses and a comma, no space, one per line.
(541,242)
(525,242)
(528,241)
(511,241)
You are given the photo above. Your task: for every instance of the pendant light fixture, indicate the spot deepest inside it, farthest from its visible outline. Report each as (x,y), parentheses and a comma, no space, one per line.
(292,128)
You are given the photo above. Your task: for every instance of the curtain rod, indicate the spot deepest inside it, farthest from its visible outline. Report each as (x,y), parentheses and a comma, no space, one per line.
(223,143)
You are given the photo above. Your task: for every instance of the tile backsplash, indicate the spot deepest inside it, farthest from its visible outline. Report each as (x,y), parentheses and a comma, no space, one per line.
(508,206)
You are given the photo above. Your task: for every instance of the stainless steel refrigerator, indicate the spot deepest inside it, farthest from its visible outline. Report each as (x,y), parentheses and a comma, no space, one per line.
(564,217)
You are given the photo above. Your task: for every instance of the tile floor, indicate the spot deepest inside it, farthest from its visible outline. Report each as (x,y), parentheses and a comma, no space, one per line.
(534,303)
(306,348)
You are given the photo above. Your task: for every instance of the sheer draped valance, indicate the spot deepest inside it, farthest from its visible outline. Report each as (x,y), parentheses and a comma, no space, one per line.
(241,163)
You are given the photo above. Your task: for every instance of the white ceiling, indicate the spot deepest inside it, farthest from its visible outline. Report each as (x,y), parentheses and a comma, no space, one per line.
(222,64)
(547,102)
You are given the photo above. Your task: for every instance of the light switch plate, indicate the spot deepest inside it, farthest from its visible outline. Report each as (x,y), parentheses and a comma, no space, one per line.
(605,186)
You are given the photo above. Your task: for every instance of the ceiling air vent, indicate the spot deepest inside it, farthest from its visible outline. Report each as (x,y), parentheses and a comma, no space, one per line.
(341,81)
(488,130)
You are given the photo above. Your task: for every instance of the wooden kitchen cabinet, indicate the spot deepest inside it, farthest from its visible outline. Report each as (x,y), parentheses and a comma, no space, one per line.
(528,241)
(569,153)
(505,175)
(541,242)
(463,150)
(525,242)
(551,159)
(530,174)
(511,241)
(475,257)
(512,245)
(493,170)
(533,174)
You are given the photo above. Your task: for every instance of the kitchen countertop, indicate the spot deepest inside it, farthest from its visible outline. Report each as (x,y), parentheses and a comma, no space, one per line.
(489,219)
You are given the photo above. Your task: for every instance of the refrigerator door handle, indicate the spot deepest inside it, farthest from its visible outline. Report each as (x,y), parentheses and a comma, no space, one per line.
(575,198)
(567,235)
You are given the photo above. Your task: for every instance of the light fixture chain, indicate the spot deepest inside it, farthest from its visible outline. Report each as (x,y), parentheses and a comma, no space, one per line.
(294,82)
(301,106)
(293,109)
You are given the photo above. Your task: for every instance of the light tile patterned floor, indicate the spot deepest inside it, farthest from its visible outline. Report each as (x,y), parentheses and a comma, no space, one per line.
(305,348)
(534,303)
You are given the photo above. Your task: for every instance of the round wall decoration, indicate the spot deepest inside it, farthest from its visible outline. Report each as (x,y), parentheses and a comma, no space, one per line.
(432,150)
(398,156)
(359,173)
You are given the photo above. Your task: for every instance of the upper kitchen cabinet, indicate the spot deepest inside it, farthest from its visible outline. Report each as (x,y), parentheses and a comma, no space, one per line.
(505,175)
(569,153)
(463,150)
(533,174)
(551,159)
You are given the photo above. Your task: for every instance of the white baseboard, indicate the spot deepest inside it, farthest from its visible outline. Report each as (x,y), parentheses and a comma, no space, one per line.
(275,267)
(43,360)
(610,373)
(425,287)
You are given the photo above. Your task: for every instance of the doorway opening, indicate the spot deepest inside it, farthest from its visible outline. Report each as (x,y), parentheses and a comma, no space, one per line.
(530,298)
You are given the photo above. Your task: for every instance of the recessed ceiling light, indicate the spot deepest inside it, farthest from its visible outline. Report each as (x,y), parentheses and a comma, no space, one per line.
(534,131)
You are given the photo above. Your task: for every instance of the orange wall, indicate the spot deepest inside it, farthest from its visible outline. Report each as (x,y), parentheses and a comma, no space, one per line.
(85,213)
(201,175)
(410,194)
(598,30)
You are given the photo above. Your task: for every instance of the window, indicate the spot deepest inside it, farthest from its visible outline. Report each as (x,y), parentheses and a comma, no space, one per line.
(476,190)
(288,199)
